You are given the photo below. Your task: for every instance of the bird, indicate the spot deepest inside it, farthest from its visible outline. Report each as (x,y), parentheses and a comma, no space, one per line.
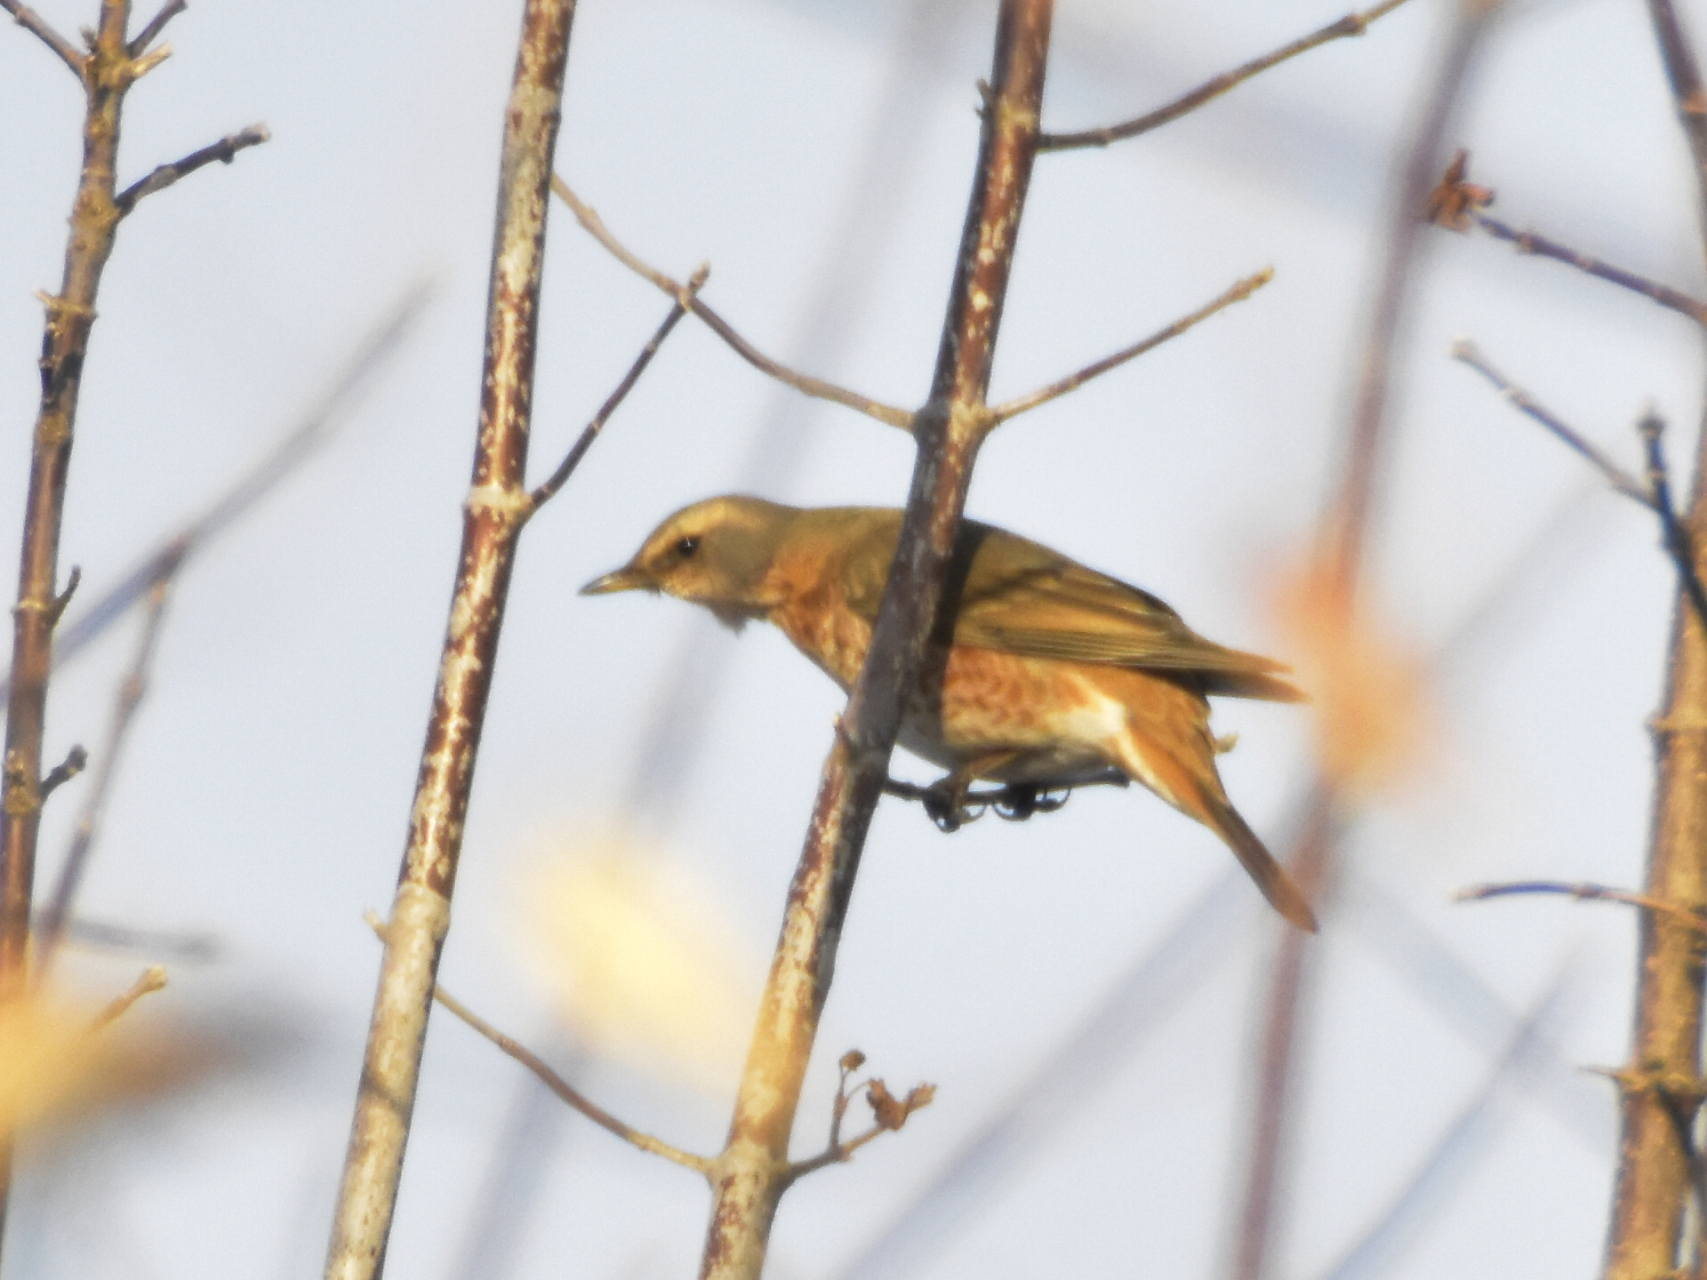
(1054,674)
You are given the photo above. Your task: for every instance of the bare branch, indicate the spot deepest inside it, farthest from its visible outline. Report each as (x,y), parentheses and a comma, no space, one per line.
(156,25)
(815,387)
(33,22)
(224,151)
(1023,404)
(1655,495)
(1584,892)
(1535,243)
(1353,24)
(1467,353)
(751,1173)
(1344,530)
(51,927)
(493,515)
(684,301)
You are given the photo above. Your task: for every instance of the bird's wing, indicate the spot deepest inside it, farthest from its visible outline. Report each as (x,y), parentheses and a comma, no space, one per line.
(1020,597)
(1025,599)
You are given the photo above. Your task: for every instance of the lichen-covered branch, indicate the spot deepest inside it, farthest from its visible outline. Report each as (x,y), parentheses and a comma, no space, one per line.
(493,515)
(753,1169)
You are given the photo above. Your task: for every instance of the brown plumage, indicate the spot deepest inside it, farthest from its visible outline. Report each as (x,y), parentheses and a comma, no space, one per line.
(1056,672)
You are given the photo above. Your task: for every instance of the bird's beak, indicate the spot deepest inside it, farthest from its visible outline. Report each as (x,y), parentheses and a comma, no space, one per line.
(627,578)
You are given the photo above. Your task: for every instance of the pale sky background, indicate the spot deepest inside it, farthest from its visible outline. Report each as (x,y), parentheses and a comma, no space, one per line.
(265,796)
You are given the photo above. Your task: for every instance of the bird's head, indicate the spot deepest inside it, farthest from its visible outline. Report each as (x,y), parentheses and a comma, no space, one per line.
(715,553)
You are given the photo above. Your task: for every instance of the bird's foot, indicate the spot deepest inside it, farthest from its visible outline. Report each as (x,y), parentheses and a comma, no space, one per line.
(945,803)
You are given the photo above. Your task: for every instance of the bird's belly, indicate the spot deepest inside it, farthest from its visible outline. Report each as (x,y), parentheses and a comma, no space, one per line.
(1049,721)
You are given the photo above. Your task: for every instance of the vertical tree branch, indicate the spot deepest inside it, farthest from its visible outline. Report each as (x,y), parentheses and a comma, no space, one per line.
(107,72)
(752,1172)
(1662,1080)
(1345,528)
(493,514)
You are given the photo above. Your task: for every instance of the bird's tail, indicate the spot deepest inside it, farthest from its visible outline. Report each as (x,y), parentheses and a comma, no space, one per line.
(1280,889)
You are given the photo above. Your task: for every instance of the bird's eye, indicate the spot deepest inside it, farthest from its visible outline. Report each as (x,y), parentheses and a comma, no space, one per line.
(685,547)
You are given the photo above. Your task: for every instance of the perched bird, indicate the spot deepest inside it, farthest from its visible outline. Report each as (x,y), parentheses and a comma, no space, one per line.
(1055,672)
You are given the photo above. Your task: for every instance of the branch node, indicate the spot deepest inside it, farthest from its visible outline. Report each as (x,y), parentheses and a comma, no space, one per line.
(57,609)
(76,760)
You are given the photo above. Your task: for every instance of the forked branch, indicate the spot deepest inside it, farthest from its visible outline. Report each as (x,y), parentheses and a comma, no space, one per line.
(805,383)
(560,477)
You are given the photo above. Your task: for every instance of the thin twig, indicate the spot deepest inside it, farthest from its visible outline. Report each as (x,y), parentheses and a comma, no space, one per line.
(566,1091)
(33,22)
(1655,495)
(50,928)
(493,515)
(224,151)
(1467,353)
(156,25)
(1353,24)
(1584,891)
(1405,1220)
(1679,545)
(558,478)
(1539,245)
(816,387)
(153,979)
(1238,293)
(74,763)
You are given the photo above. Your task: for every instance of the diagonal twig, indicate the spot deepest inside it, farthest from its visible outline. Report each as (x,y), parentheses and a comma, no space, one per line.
(1353,24)
(1535,243)
(43,30)
(1443,1169)
(1031,400)
(171,9)
(1585,892)
(558,478)
(50,929)
(1467,353)
(153,979)
(816,387)
(566,1091)
(163,176)
(1655,495)
(1679,544)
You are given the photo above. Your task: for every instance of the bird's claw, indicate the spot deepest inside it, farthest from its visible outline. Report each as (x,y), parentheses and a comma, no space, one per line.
(1019,800)
(945,804)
